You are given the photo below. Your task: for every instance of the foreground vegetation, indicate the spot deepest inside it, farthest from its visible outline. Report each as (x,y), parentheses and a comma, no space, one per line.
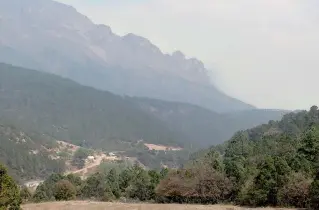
(275,164)
(131,183)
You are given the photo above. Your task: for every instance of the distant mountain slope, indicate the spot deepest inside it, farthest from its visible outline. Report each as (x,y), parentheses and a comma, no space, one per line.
(202,126)
(85,116)
(38,108)
(69,44)
(68,111)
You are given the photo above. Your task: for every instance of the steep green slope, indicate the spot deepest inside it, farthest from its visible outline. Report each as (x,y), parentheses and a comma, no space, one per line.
(67,111)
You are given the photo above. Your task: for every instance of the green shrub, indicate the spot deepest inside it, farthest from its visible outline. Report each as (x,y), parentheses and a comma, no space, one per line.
(64,190)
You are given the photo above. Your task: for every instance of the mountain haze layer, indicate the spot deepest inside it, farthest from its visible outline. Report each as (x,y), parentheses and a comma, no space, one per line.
(53,37)
(202,126)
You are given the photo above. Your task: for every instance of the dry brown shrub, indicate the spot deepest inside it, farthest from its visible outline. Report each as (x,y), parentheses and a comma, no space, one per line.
(296,191)
(196,185)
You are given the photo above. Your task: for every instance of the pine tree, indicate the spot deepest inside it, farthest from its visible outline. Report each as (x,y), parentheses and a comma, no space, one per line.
(264,191)
(310,145)
(113,181)
(25,194)
(9,192)
(125,178)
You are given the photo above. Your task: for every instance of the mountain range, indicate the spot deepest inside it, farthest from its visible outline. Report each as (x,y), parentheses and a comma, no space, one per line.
(62,77)
(70,45)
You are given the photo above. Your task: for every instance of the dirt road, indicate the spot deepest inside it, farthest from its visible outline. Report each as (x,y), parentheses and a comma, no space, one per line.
(85,170)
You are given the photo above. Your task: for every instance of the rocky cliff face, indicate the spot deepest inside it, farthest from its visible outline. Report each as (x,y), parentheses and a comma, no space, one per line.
(54,37)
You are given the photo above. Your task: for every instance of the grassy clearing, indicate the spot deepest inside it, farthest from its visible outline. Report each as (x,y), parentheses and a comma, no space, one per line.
(84,205)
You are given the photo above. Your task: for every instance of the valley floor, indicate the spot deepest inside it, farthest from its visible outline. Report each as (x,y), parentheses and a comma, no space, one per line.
(84,205)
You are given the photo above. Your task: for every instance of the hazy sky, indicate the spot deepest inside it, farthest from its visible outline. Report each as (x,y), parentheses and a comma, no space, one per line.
(265,52)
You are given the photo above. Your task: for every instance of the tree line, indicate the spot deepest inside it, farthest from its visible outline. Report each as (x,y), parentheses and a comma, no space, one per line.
(132,183)
(276,164)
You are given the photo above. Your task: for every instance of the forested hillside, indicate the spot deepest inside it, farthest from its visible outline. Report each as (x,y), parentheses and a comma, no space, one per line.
(48,108)
(273,164)
(68,111)
(27,155)
(85,116)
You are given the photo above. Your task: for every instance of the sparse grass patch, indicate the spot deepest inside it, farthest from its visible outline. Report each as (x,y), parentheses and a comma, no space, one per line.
(84,205)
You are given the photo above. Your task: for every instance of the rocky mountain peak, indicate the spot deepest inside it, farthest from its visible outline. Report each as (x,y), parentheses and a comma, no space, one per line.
(51,36)
(104,29)
(139,42)
(178,55)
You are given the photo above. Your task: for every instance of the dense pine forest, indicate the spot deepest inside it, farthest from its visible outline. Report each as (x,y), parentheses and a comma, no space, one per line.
(275,164)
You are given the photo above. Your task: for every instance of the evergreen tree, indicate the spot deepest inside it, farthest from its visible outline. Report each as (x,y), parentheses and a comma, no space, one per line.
(264,190)
(76,181)
(64,190)
(108,194)
(9,192)
(94,186)
(140,185)
(41,194)
(164,172)
(25,194)
(125,178)
(113,182)
(45,191)
(310,146)
(282,171)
